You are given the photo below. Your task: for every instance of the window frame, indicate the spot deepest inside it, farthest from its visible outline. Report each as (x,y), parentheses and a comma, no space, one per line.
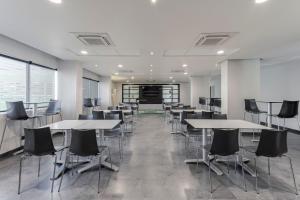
(27,75)
(98,88)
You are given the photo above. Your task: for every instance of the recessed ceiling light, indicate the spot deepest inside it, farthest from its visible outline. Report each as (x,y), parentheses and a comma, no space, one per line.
(127,81)
(220,52)
(56,1)
(151,70)
(260,1)
(185,73)
(184,65)
(153,1)
(83,52)
(132,77)
(120,66)
(116,73)
(150,65)
(151,53)
(96,65)
(173,81)
(170,77)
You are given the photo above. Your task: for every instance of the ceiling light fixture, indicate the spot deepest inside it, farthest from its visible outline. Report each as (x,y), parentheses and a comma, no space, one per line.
(151,70)
(151,53)
(153,1)
(260,1)
(120,65)
(220,52)
(116,73)
(56,1)
(184,65)
(132,77)
(173,81)
(170,77)
(185,73)
(84,52)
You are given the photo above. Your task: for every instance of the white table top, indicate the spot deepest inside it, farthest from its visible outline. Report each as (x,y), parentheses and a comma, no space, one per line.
(225,124)
(84,124)
(194,110)
(124,111)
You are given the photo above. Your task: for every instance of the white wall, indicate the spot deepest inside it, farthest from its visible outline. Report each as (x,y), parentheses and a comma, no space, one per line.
(185,93)
(19,50)
(240,80)
(106,91)
(216,84)
(281,82)
(199,88)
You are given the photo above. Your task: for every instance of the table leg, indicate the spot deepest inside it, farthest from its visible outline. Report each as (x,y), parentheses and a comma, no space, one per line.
(204,159)
(269,114)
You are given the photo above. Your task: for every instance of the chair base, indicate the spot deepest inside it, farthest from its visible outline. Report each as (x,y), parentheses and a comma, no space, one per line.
(206,162)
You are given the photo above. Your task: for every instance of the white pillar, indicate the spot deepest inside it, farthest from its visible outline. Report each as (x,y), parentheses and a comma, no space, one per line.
(70,88)
(240,79)
(199,88)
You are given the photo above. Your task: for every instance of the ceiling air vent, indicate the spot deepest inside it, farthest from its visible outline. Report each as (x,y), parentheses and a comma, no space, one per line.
(95,39)
(212,39)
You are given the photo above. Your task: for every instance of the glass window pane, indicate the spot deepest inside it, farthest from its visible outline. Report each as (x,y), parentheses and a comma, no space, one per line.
(12,81)
(42,84)
(90,88)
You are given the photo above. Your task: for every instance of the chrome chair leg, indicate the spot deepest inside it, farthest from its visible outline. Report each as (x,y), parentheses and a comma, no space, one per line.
(3,133)
(63,172)
(209,175)
(99,174)
(20,174)
(293,174)
(277,123)
(269,167)
(39,167)
(53,176)
(256,176)
(243,172)
(298,120)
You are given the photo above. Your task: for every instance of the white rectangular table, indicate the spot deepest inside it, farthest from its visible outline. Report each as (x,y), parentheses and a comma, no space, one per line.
(68,125)
(205,124)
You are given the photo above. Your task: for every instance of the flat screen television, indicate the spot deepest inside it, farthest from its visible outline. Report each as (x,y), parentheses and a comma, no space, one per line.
(150,94)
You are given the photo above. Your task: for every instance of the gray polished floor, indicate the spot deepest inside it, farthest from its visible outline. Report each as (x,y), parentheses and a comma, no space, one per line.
(152,168)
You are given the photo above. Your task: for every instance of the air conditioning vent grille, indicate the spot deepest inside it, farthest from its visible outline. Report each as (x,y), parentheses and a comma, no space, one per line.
(95,39)
(212,39)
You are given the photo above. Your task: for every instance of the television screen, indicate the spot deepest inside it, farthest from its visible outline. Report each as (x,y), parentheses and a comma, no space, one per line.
(150,94)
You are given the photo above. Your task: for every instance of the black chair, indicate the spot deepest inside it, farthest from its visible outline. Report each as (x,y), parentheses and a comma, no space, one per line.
(84,144)
(54,108)
(225,143)
(85,117)
(207,115)
(272,144)
(16,112)
(38,142)
(219,116)
(110,108)
(98,115)
(289,110)
(252,108)
(88,104)
(97,102)
(202,102)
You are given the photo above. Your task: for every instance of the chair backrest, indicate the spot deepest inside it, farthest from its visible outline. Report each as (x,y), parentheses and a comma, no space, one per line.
(84,142)
(289,109)
(118,112)
(184,116)
(219,116)
(110,108)
(248,105)
(272,143)
(187,107)
(217,103)
(202,101)
(54,107)
(85,117)
(87,102)
(16,111)
(207,115)
(38,142)
(225,142)
(98,115)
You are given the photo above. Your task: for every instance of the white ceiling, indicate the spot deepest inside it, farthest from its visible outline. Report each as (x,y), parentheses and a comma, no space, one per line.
(169,29)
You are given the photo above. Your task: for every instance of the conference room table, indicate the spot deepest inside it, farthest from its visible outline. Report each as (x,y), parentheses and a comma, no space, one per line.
(98,125)
(270,110)
(206,124)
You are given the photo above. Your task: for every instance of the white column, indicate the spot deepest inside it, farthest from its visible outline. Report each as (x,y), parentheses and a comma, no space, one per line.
(106,91)
(70,88)
(240,79)
(199,88)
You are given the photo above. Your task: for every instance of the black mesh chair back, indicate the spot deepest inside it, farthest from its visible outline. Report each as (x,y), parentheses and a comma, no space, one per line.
(54,107)
(98,115)
(38,142)
(187,107)
(225,142)
(110,108)
(289,109)
(248,105)
(219,116)
(202,101)
(85,117)
(184,116)
(87,102)
(217,103)
(84,143)
(16,111)
(253,106)
(272,143)
(207,115)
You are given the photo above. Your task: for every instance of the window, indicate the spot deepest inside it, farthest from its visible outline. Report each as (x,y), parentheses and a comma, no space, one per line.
(24,81)
(42,84)
(12,81)
(90,88)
